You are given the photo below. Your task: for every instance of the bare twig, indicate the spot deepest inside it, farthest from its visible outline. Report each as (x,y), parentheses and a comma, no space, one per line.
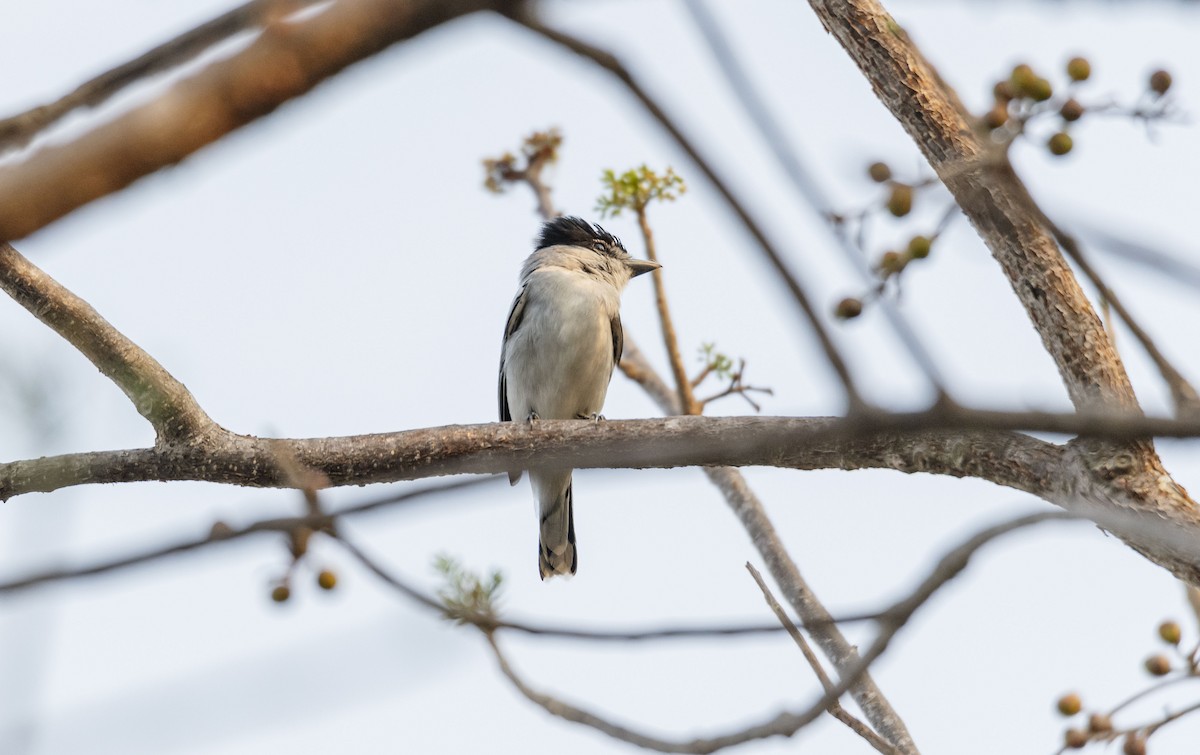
(773,136)
(836,710)
(613,65)
(781,725)
(683,386)
(19,130)
(223,533)
(159,397)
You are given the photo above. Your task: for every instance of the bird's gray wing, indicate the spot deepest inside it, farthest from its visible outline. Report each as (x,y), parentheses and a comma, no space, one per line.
(618,338)
(514,322)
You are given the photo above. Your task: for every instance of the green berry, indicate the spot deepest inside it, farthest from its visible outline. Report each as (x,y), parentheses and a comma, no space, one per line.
(919,246)
(900,201)
(1060,144)
(1079,69)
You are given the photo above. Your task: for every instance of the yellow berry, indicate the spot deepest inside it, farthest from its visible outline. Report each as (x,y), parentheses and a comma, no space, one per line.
(1069,704)
(281,593)
(326,580)
(1170,632)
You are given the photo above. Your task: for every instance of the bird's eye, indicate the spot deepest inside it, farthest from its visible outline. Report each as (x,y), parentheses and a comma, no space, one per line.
(599,246)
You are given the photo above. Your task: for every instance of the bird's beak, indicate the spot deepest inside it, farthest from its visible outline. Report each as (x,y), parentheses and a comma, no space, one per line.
(637,267)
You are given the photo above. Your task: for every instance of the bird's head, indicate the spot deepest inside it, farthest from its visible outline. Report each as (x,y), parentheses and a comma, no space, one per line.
(575,243)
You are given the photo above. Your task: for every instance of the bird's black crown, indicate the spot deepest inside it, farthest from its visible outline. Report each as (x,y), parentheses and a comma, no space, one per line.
(573,231)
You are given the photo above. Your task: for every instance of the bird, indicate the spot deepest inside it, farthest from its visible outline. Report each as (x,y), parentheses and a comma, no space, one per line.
(562,341)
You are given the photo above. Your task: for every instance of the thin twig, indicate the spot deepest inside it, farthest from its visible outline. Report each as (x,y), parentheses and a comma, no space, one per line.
(222,533)
(610,63)
(19,130)
(687,399)
(160,398)
(773,136)
(836,710)
(781,725)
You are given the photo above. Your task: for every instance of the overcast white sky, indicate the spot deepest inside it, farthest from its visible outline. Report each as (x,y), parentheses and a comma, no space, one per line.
(337,269)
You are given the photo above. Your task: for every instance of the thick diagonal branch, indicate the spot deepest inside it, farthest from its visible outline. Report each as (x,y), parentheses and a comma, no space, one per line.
(18,130)
(158,397)
(285,61)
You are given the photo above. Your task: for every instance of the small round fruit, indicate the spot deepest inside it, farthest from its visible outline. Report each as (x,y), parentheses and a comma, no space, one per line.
(997,116)
(900,201)
(1160,82)
(892,262)
(1069,704)
(1099,723)
(1071,110)
(1039,90)
(1060,144)
(919,246)
(1076,739)
(1170,632)
(326,580)
(1158,665)
(879,172)
(1134,745)
(1079,69)
(849,308)
(281,593)
(1003,92)
(1021,76)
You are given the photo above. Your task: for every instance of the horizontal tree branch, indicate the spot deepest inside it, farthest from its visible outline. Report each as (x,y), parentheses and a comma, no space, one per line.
(1008,459)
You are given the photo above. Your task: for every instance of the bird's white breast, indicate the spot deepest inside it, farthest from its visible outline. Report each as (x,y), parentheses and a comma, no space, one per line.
(560,360)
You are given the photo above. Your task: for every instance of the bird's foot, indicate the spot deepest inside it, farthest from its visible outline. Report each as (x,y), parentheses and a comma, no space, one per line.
(533,417)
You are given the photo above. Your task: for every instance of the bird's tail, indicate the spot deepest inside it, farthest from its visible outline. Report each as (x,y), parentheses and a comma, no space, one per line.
(556,546)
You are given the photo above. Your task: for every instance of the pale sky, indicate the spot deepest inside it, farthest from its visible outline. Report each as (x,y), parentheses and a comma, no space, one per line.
(337,268)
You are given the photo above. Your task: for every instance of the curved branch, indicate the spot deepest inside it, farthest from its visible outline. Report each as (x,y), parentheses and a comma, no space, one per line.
(160,398)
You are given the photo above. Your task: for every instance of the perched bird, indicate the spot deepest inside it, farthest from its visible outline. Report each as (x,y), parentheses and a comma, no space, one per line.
(561,343)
